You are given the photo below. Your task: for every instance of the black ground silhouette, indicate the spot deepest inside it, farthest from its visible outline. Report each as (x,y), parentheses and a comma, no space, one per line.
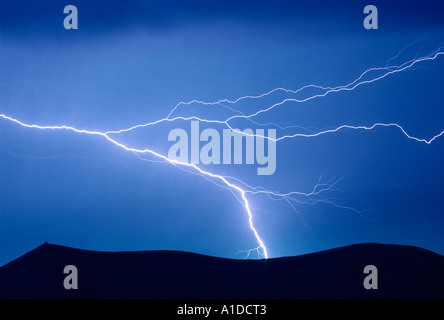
(404,272)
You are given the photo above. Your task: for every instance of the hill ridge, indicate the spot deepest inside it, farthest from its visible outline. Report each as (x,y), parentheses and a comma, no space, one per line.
(404,272)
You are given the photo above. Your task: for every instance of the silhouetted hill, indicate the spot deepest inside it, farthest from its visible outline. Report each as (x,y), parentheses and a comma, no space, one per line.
(404,272)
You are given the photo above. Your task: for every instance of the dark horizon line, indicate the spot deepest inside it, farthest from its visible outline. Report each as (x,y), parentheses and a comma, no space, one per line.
(183,252)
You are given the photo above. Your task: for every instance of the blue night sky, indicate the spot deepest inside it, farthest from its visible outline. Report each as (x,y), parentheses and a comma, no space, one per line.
(131,62)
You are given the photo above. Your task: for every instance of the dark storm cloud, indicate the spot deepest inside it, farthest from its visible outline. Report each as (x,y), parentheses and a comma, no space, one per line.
(23,19)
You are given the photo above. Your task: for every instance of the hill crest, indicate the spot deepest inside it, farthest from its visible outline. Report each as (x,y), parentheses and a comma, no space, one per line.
(404,272)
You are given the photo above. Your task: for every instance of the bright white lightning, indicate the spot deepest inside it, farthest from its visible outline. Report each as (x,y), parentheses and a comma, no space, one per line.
(138,151)
(246,189)
(389,70)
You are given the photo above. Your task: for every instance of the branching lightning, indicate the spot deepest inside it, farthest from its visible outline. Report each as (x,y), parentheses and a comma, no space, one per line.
(238,187)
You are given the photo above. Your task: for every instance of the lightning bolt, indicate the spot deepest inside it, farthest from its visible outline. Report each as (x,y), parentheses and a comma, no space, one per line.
(240,188)
(162,157)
